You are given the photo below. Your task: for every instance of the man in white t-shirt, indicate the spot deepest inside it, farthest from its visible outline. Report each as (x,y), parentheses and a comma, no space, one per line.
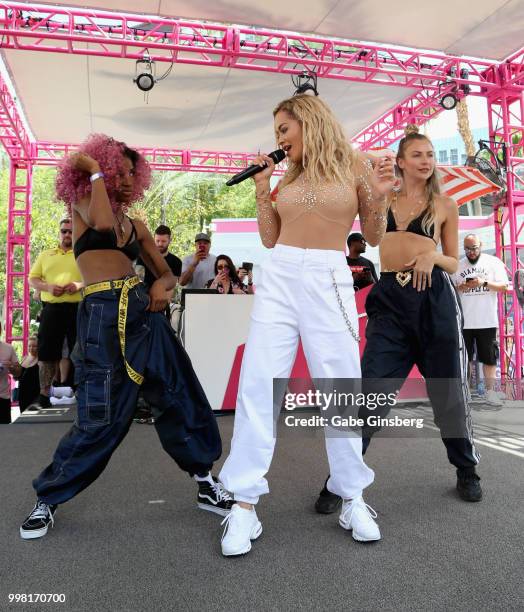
(199,267)
(479,278)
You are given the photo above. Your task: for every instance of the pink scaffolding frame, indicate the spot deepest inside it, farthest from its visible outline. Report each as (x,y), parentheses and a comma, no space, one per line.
(31,27)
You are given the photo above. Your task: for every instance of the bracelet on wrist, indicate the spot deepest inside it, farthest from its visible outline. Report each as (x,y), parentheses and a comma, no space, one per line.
(96,175)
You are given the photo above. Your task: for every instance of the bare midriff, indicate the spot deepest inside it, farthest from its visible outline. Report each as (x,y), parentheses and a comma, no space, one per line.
(106,264)
(316,217)
(100,265)
(397,249)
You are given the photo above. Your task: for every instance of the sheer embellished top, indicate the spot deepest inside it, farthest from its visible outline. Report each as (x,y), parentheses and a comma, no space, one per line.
(321,216)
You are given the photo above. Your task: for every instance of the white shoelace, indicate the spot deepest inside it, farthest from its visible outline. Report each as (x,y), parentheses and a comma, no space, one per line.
(41,511)
(222,493)
(226,522)
(358,503)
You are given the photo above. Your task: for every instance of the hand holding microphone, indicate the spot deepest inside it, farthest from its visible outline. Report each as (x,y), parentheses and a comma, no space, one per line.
(262,169)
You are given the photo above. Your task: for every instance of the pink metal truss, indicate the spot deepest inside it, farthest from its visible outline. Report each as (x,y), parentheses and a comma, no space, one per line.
(174,160)
(13,134)
(32,27)
(18,251)
(389,127)
(506,115)
(424,105)
(20,149)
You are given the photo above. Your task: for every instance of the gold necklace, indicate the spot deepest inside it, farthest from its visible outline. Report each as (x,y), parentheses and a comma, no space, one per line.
(411,212)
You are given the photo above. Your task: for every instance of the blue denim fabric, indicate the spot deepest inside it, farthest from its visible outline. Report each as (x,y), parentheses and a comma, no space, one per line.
(107,397)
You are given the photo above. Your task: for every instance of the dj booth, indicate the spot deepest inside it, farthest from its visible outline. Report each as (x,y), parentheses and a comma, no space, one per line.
(214,329)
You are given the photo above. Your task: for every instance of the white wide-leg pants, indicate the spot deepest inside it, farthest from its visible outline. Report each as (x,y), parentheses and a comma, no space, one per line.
(295,298)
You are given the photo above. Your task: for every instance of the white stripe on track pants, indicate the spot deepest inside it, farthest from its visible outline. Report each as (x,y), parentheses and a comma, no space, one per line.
(295,297)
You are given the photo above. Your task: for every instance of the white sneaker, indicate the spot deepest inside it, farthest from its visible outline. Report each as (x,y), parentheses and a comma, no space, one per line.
(61,392)
(59,401)
(242,526)
(358,517)
(492,398)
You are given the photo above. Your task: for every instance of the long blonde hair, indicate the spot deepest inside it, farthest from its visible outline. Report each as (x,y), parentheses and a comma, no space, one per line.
(432,183)
(326,152)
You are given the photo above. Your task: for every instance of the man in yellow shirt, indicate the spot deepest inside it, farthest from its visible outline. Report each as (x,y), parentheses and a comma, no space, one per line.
(56,275)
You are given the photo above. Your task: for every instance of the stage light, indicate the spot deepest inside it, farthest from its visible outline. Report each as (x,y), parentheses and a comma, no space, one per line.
(448,101)
(306,81)
(144,81)
(144,74)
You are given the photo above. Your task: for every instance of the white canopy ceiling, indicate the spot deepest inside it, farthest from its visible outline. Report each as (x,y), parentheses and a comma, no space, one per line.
(65,97)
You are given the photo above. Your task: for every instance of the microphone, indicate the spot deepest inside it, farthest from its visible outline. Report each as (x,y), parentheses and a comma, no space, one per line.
(277,156)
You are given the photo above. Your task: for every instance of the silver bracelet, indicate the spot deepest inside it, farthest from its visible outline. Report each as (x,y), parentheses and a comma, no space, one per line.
(96,175)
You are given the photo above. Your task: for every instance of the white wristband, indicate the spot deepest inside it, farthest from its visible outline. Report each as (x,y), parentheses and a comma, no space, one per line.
(96,175)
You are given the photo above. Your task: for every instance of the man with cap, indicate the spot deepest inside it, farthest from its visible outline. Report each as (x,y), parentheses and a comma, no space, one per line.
(198,268)
(363,269)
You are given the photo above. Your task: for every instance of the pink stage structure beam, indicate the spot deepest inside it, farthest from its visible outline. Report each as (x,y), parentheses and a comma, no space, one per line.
(21,151)
(18,252)
(174,160)
(73,30)
(389,127)
(13,135)
(506,127)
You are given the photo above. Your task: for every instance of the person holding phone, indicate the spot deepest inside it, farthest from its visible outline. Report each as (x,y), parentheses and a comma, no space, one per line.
(305,291)
(479,279)
(199,267)
(246,272)
(226,280)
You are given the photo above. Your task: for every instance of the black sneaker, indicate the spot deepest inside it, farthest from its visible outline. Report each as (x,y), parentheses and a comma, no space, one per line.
(327,502)
(468,486)
(214,497)
(44,401)
(36,524)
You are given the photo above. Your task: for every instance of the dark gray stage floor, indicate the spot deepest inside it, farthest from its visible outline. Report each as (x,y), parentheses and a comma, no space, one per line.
(136,541)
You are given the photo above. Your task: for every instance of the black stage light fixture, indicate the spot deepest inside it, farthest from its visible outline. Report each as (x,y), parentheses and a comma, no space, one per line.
(306,81)
(448,101)
(144,74)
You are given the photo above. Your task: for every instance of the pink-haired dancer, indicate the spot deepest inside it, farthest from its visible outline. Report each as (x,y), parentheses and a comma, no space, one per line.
(124,342)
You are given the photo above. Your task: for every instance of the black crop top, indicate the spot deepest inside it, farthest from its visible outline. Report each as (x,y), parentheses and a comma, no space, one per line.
(93,240)
(414,226)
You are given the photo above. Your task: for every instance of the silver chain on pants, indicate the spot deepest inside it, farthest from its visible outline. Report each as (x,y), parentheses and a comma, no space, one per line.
(343,309)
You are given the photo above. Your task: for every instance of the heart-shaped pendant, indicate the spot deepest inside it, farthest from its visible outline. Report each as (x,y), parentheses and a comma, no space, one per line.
(403,278)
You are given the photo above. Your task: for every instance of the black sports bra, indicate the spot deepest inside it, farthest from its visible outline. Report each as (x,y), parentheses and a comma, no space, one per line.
(93,240)
(414,226)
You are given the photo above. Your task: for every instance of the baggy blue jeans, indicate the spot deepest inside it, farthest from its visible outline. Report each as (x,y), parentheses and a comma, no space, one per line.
(107,396)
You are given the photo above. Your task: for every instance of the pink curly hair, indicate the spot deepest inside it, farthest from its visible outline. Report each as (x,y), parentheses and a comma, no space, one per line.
(73,185)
